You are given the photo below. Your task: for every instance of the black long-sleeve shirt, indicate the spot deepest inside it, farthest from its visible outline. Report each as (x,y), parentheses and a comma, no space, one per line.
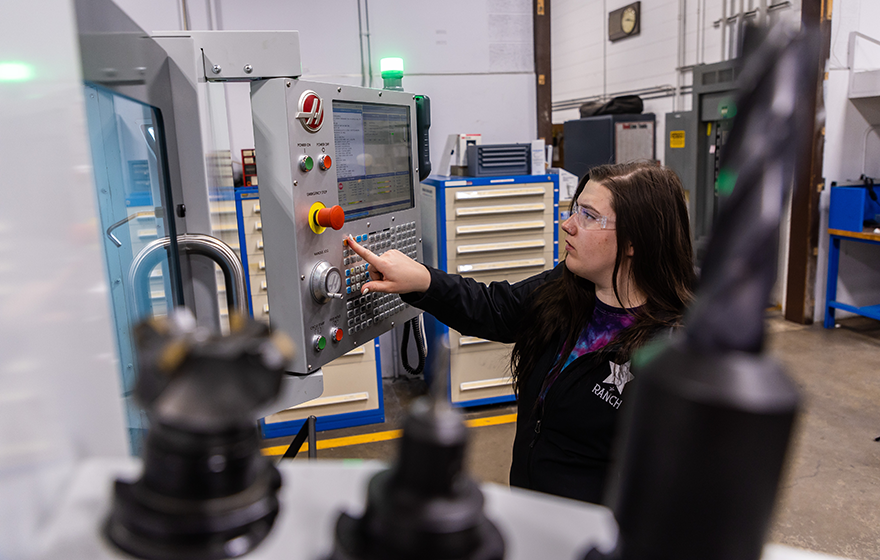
(563,447)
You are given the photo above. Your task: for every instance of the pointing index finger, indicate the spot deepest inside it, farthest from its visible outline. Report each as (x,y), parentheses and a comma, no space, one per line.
(363,252)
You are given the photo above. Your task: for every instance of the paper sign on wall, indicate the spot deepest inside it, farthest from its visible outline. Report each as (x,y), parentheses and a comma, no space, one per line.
(676,139)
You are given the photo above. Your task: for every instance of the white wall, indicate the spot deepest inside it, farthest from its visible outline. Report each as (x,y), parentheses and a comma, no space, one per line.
(848,136)
(585,63)
(474,58)
(59,371)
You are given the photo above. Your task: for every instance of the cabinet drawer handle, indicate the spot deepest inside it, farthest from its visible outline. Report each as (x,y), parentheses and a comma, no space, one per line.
(471,340)
(485,384)
(499,193)
(493,228)
(507,246)
(502,265)
(505,209)
(338,399)
(223,209)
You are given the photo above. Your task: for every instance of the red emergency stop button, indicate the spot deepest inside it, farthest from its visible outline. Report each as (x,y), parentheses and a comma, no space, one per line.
(333,217)
(336,334)
(324,162)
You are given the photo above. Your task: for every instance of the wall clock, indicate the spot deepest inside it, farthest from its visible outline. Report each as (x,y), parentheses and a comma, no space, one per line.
(625,21)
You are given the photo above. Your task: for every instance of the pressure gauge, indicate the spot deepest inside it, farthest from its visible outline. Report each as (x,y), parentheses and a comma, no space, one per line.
(325,282)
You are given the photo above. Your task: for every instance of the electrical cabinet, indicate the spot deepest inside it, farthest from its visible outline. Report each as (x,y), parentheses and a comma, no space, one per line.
(352,382)
(498,228)
(605,139)
(695,141)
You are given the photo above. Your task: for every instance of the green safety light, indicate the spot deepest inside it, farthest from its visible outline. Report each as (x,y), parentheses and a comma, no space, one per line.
(392,73)
(16,72)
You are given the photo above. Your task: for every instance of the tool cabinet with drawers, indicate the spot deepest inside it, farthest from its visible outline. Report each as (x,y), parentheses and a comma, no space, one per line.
(489,228)
(352,383)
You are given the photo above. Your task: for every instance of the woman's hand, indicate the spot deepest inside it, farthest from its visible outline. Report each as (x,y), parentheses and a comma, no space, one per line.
(392,272)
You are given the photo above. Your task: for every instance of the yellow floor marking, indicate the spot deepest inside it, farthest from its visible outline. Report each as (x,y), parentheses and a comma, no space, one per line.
(384,436)
(491,421)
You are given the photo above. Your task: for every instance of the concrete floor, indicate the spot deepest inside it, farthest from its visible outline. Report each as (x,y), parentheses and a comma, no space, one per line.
(830,497)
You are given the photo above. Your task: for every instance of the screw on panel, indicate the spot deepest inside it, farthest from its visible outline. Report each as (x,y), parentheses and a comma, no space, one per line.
(303,277)
(287,83)
(380,94)
(339,89)
(295,183)
(216,69)
(248,68)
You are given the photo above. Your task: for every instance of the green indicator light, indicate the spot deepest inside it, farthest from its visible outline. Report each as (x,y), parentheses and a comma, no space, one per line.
(726,182)
(391,67)
(16,72)
(310,163)
(321,343)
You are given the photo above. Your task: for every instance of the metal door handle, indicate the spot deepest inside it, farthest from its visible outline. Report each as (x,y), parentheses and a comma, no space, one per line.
(124,221)
(196,244)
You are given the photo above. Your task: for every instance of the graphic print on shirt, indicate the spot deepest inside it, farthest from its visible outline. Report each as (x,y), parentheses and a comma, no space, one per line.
(619,377)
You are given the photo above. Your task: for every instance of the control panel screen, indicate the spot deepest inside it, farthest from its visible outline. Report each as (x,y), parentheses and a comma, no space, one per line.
(373,158)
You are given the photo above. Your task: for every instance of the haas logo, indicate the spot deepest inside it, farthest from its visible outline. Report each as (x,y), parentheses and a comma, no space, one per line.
(311,111)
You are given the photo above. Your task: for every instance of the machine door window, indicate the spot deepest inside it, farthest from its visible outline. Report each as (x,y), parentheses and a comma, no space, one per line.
(135,209)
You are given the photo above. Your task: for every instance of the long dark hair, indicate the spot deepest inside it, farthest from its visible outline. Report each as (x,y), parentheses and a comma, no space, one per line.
(652,217)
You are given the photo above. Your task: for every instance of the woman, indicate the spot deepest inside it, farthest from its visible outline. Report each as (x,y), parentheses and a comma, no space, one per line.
(627,277)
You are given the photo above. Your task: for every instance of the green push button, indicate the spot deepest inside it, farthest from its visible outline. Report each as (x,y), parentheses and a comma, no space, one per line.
(320,343)
(306,163)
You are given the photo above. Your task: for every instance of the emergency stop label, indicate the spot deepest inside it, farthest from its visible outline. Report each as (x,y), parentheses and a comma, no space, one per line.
(676,139)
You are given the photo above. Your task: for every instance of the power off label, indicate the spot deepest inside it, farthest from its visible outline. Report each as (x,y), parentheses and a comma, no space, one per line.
(676,139)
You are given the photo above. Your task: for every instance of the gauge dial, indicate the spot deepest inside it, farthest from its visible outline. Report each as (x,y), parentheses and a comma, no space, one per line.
(628,20)
(325,282)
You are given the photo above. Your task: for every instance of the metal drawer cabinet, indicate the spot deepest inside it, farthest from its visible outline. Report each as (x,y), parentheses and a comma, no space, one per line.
(489,229)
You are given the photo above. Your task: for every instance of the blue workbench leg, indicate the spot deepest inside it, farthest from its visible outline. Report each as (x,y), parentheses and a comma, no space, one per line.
(831,287)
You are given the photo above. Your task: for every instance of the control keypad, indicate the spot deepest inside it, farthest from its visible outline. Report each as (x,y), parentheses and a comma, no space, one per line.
(365,310)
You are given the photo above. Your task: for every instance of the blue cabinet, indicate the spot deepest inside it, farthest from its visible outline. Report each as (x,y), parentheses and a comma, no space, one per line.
(488,228)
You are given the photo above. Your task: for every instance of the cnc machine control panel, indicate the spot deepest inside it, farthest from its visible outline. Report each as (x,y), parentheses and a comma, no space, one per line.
(333,161)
